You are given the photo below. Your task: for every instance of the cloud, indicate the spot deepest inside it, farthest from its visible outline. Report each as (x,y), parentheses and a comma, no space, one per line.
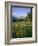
(19,15)
(14,13)
(22,15)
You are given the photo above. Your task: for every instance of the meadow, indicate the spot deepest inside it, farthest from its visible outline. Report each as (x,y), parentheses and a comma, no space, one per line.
(21,29)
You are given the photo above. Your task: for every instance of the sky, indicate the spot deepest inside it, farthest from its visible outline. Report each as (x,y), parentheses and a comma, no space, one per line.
(20,12)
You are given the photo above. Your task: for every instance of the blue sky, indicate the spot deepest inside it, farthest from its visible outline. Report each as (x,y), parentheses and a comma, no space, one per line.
(20,12)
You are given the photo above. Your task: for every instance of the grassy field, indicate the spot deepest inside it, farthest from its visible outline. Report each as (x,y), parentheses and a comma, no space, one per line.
(21,29)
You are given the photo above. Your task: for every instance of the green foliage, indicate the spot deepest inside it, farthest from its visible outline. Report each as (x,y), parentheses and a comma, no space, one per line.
(21,29)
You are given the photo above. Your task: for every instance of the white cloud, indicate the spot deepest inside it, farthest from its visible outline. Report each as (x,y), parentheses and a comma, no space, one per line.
(20,15)
(13,13)
(23,15)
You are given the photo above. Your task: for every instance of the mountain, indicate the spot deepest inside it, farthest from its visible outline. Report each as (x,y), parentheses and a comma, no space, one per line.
(21,18)
(13,18)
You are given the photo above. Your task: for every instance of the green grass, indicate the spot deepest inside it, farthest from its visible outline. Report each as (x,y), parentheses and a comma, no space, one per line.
(21,29)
